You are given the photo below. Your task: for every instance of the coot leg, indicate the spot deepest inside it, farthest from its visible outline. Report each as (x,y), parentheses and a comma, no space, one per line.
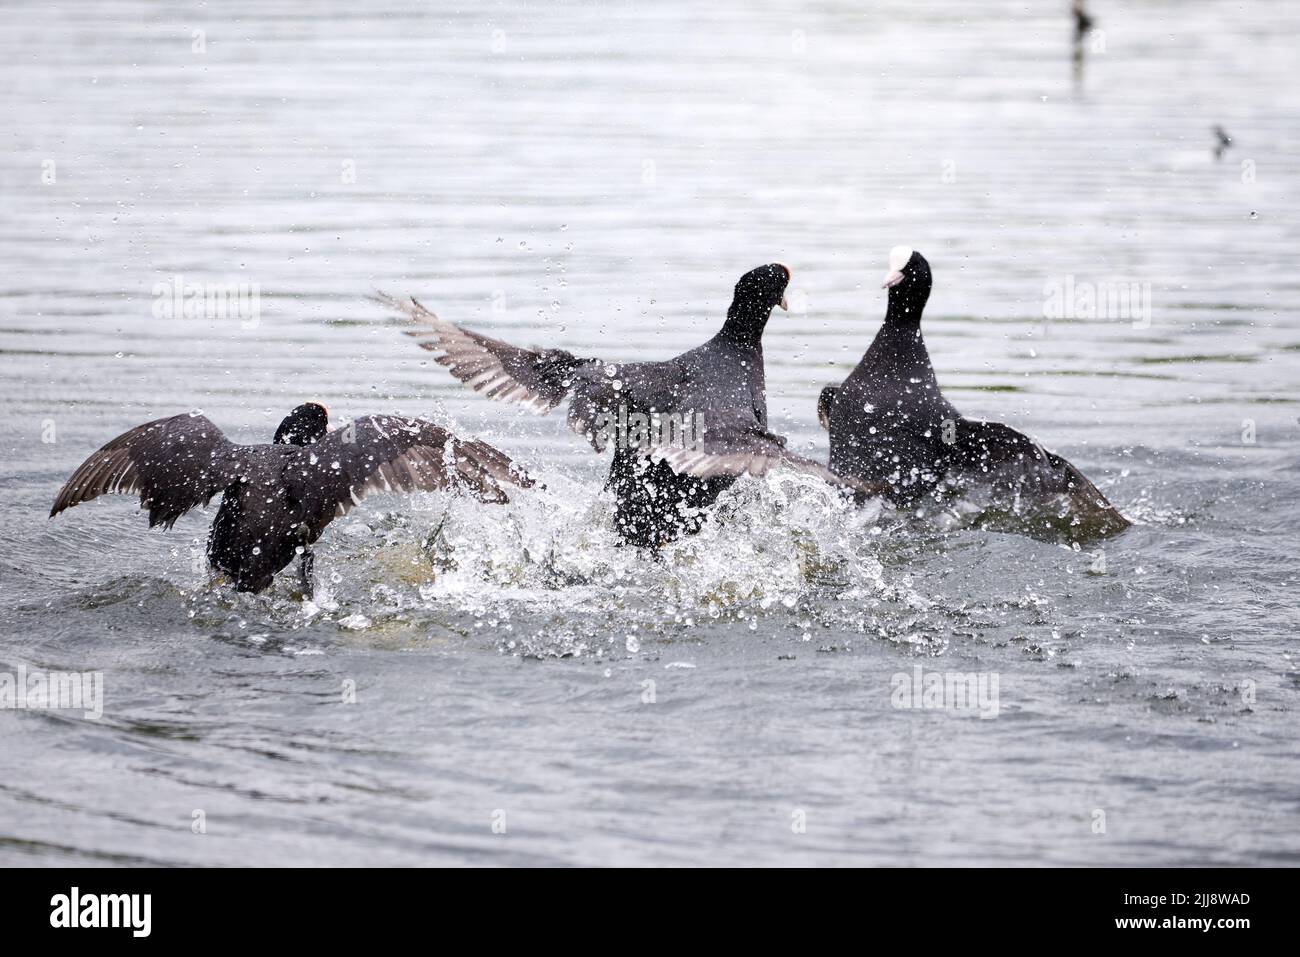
(304,574)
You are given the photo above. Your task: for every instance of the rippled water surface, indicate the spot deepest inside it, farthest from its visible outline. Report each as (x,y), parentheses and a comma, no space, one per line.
(597,176)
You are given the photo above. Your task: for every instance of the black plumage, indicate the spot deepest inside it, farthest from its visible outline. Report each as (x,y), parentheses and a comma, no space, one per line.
(659,486)
(278,498)
(890,423)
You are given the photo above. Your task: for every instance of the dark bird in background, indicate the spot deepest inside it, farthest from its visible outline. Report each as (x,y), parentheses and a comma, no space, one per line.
(278,498)
(1082,21)
(1222,142)
(889,423)
(1083,24)
(659,489)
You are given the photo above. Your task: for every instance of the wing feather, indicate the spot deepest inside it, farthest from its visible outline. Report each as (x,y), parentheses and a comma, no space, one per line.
(174,464)
(380,453)
(751,451)
(537,380)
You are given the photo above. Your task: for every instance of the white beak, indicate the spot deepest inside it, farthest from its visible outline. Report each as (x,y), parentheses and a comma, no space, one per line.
(783,303)
(898,258)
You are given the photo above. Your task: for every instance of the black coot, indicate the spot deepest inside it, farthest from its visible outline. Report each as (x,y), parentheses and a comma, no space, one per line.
(889,423)
(682,430)
(278,498)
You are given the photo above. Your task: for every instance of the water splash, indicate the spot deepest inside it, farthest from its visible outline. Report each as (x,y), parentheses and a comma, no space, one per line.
(771,553)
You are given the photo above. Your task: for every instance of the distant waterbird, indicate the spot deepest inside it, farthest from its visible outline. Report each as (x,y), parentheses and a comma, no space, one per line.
(1083,25)
(1222,140)
(1083,21)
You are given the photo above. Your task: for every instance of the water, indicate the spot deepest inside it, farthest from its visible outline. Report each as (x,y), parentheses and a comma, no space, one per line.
(597,177)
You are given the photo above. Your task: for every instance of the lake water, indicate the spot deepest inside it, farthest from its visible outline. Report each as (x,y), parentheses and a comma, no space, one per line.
(597,176)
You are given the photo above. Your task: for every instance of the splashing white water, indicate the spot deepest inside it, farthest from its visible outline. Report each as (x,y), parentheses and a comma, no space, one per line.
(767,542)
(552,556)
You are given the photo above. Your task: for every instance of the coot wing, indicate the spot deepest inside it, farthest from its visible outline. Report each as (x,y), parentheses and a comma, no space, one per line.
(395,454)
(537,380)
(745,448)
(540,379)
(175,464)
(993,454)
(605,395)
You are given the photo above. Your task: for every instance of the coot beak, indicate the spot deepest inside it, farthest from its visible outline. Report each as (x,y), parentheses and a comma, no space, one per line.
(899,257)
(789,274)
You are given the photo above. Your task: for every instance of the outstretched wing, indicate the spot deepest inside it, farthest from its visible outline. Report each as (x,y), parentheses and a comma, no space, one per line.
(537,380)
(540,380)
(750,450)
(825,402)
(397,454)
(604,397)
(174,464)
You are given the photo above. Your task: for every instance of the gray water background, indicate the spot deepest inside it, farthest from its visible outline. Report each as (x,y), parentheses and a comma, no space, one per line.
(596,176)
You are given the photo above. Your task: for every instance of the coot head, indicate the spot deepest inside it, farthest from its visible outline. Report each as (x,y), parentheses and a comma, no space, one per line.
(759,290)
(305,425)
(908,282)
